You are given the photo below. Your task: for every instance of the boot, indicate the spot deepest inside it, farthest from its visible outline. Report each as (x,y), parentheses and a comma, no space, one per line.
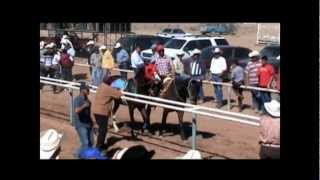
(240,98)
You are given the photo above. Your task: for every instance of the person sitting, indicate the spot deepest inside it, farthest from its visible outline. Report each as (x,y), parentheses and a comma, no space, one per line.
(163,63)
(270,131)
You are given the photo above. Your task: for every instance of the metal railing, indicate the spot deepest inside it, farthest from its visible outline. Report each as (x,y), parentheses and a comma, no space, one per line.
(194,109)
(229,85)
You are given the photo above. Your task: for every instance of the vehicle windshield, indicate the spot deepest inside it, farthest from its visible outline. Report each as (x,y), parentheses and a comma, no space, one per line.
(166,31)
(174,43)
(221,42)
(270,51)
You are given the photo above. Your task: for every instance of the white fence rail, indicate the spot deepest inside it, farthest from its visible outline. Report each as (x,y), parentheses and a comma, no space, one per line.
(194,109)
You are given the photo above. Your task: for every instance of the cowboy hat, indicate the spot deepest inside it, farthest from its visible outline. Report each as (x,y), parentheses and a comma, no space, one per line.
(49,140)
(91,42)
(42,43)
(216,50)
(191,154)
(50,45)
(273,108)
(180,53)
(117,45)
(195,51)
(278,58)
(253,54)
(103,47)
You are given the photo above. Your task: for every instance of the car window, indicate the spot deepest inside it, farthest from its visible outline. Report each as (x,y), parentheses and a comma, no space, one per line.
(166,30)
(241,53)
(179,31)
(221,42)
(204,43)
(270,51)
(145,43)
(174,43)
(191,45)
(227,53)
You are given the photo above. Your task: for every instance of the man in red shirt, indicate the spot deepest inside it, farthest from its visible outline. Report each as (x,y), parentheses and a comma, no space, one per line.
(265,74)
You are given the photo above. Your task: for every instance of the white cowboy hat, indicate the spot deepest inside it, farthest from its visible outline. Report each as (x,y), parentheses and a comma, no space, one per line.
(65,37)
(180,53)
(216,50)
(191,154)
(117,45)
(273,108)
(42,44)
(90,43)
(254,53)
(195,51)
(64,41)
(103,47)
(50,45)
(278,58)
(49,140)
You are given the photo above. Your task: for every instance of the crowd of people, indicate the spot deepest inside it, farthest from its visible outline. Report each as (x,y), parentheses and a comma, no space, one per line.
(58,63)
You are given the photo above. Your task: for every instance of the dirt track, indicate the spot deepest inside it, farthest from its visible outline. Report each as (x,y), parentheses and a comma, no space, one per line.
(216,138)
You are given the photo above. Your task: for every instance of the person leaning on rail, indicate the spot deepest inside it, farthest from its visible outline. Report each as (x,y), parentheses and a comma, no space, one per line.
(101,110)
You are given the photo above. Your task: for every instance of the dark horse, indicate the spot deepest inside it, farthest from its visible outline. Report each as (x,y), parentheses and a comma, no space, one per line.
(178,89)
(138,85)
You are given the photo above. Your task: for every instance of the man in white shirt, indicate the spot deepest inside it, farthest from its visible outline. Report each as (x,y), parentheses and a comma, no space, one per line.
(217,68)
(136,61)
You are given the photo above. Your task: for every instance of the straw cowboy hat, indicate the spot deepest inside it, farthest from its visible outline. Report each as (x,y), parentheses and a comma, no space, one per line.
(117,45)
(91,42)
(49,140)
(191,154)
(254,54)
(195,51)
(103,47)
(273,108)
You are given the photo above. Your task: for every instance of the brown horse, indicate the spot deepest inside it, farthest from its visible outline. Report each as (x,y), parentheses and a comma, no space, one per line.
(178,90)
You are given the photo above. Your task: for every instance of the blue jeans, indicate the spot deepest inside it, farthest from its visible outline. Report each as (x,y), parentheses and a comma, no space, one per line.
(256,98)
(218,88)
(265,97)
(86,137)
(97,76)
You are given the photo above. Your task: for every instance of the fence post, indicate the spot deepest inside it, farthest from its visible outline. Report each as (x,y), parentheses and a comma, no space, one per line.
(194,131)
(71,104)
(229,98)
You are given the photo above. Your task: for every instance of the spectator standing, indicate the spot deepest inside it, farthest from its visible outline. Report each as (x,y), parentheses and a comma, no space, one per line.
(265,73)
(237,78)
(122,58)
(107,63)
(218,67)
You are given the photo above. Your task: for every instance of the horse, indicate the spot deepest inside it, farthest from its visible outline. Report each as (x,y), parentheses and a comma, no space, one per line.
(140,84)
(178,89)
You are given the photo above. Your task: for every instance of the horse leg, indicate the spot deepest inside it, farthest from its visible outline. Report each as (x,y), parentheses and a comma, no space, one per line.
(114,110)
(146,124)
(182,132)
(163,122)
(131,110)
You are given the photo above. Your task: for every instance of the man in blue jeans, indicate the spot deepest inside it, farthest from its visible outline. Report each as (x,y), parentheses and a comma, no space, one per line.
(122,58)
(82,119)
(218,67)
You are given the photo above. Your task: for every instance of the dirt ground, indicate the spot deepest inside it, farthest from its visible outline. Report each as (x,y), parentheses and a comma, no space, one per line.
(216,138)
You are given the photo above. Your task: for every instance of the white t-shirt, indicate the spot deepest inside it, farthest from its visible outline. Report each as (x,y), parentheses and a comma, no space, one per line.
(56,59)
(218,65)
(136,59)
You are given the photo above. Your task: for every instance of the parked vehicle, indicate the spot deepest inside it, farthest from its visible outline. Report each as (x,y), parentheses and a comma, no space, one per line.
(230,53)
(187,44)
(218,28)
(175,32)
(129,42)
(272,52)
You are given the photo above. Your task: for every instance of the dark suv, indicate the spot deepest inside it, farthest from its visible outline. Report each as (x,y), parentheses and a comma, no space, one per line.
(272,52)
(230,53)
(129,42)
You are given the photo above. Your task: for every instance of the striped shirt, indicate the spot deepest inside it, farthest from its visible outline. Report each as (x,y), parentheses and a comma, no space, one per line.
(252,71)
(195,68)
(47,60)
(164,65)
